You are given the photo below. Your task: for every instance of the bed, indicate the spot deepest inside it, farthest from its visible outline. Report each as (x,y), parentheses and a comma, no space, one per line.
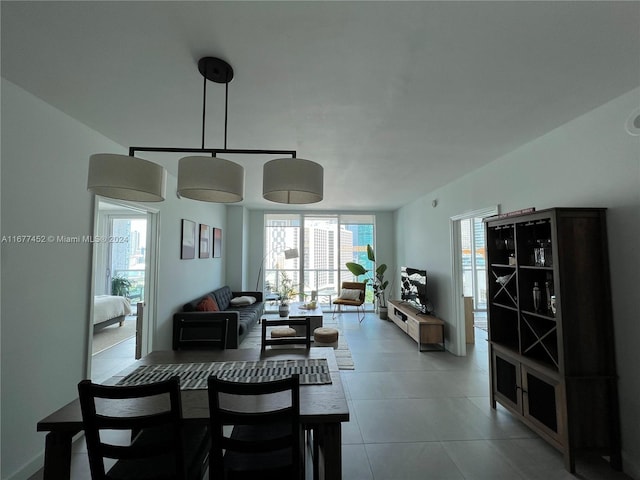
(109,309)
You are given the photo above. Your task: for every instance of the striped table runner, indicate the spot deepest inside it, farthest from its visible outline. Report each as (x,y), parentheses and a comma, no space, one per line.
(193,376)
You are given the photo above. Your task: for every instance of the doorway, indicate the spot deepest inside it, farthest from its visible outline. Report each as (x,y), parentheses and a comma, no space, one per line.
(469,275)
(474,270)
(124,259)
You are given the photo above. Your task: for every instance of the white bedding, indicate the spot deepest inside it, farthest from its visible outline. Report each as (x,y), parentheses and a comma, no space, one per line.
(109,306)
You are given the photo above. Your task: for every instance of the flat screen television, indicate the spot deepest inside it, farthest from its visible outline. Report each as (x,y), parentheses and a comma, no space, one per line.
(413,288)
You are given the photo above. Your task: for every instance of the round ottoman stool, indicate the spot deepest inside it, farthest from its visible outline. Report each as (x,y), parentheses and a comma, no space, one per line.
(325,337)
(283,332)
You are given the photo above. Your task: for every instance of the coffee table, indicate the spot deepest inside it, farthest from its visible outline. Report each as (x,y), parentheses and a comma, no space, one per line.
(296,311)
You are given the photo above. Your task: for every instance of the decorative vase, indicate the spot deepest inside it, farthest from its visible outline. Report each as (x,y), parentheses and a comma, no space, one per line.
(283,310)
(383,313)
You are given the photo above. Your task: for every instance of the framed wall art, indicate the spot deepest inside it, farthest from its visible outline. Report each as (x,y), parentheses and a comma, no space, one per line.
(217,242)
(205,241)
(188,240)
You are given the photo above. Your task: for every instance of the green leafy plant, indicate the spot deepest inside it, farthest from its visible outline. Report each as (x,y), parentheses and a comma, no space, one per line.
(376,276)
(120,286)
(286,290)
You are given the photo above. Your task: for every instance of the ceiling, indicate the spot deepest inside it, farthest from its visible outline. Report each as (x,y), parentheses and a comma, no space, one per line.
(394,99)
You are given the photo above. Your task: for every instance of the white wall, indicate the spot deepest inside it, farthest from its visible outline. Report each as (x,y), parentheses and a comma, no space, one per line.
(181,281)
(235,248)
(589,162)
(46,287)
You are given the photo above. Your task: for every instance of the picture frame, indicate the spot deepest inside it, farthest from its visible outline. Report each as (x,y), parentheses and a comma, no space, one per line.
(205,241)
(217,242)
(188,240)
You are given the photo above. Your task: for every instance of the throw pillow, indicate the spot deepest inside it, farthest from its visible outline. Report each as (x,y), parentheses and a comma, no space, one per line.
(243,301)
(350,294)
(207,304)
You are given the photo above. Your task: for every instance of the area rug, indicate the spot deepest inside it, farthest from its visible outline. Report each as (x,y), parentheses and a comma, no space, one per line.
(193,376)
(113,335)
(342,352)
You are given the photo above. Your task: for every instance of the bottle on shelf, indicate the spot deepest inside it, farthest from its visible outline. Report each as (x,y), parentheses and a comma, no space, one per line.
(536,297)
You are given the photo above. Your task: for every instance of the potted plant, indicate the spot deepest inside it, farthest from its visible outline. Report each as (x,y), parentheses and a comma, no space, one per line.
(376,276)
(286,291)
(120,286)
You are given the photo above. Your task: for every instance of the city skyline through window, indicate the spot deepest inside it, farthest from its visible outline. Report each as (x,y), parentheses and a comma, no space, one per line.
(325,244)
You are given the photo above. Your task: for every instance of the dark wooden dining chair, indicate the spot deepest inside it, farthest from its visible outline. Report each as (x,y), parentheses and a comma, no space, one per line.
(200,334)
(352,294)
(156,443)
(296,338)
(266,441)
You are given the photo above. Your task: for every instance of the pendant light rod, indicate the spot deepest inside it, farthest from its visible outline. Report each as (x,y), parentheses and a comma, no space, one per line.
(226,109)
(204,109)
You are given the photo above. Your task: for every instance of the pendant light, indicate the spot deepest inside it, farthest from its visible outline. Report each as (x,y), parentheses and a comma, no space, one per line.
(126,178)
(212,179)
(292,180)
(206,178)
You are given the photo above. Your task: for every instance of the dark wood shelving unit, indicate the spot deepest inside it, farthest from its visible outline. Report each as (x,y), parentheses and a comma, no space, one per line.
(552,357)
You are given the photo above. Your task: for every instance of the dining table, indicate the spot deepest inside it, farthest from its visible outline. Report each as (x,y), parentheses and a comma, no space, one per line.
(323,407)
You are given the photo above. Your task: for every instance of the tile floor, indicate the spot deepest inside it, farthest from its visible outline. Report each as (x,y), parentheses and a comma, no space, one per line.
(109,362)
(424,415)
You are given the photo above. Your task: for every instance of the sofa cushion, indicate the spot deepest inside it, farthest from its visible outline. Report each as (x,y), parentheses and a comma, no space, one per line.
(249,316)
(223,296)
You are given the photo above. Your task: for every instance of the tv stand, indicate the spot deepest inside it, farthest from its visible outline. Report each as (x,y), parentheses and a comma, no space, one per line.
(425,329)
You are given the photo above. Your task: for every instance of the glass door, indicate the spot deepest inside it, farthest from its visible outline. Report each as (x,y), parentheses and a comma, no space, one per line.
(356,232)
(281,260)
(320,259)
(474,267)
(323,244)
(127,258)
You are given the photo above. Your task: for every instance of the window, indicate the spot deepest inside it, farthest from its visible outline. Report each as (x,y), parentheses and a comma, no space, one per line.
(325,244)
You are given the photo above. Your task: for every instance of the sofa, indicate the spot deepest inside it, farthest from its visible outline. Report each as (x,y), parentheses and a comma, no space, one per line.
(223,304)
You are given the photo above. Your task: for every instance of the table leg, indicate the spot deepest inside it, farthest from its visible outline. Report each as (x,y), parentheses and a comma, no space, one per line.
(57,456)
(330,450)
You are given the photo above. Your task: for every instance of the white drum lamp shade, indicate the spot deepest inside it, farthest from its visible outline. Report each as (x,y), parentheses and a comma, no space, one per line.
(210,179)
(126,178)
(292,181)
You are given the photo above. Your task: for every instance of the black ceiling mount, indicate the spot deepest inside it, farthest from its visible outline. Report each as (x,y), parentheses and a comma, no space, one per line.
(215,69)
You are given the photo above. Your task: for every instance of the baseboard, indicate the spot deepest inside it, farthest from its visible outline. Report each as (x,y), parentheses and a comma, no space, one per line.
(28,470)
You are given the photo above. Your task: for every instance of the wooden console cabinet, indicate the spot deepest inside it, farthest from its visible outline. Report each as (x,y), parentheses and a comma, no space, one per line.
(425,329)
(552,359)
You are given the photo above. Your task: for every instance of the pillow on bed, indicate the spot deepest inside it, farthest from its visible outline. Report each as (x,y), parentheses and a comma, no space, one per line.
(207,304)
(242,301)
(350,294)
